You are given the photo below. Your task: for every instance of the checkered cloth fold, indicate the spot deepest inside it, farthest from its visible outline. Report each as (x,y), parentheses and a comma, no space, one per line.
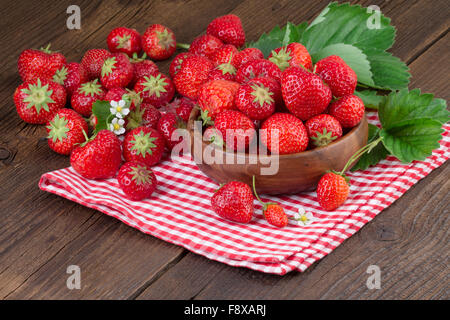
(180,212)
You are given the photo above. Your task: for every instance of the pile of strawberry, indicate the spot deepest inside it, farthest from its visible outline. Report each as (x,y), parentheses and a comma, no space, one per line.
(235,88)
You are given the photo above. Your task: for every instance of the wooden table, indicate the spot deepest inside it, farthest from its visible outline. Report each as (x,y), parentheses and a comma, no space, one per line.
(41,234)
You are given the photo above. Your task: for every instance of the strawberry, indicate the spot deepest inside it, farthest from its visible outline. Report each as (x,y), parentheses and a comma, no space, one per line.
(272,212)
(192,75)
(304,93)
(98,157)
(181,106)
(84,97)
(144,115)
(216,96)
(142,67)
(205,45)
(175,65)
(227,28)
(332,190)
(65,131)
(224,54)
(337,74)
(323,129)
(117,71)
(159,42)
(38,100)
(124,40)
(213,135)
(348,110)
(167,124)
(224,71)
(136,180)
(71,76)
(294,54)
(157,89)
(273,86)
(258,68)
(290,131)
(43,63)
(93,60)
(143,144)
(255,100)
(237,130)
(234,201)
(247,55)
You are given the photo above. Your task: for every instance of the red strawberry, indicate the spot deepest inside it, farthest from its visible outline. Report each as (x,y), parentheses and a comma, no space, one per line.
(348,110)
(247,55)
(332,190)
(143,144)
(136,180)
(93,61)
(337,74)
(323,129)
(167,124)
(258,68)
(115,94)
(224,71)
(142,67)
(234,201)
(255,100)
(156,89)
(292,135)
(159,42)
(292,55)
(181,106)
(43,63)
(117,71)
(274,87)
(237,130)
(71,76)
(144,115)
(227,28)
(205,45)
(124,40)
(84,97)
(304,93)
(192,75)
(38,100)
(216,96)
(99,157)
(65,131)
(175,65)
(224,54)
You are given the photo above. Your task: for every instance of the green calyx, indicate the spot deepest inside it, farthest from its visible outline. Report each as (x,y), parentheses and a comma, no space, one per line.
(216,138)
(143,144)
(281,58)
(135,118)
(135,58)
(61,75)
(262,94)
(227,68)
(140,175)
(108,66)
(323,138)
(38,96)
(91,88)
(165,39)
(46,49)
(123,41)
(58,129)
(132,97)
(155,85)
(205,118)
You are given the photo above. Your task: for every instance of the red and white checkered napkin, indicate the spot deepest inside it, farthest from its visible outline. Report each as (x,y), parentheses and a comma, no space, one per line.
(180,212)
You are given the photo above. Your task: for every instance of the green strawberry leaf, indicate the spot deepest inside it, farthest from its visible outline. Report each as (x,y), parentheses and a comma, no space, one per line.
(353,56)
(370,98)
(100,109)
(377,154)
(266,45)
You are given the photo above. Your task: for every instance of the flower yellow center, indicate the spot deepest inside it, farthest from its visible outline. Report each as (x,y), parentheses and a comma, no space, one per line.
(303,218)
(119,109)
(116,126)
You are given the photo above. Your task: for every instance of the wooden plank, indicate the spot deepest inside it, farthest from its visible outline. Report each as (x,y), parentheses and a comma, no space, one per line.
(409,241)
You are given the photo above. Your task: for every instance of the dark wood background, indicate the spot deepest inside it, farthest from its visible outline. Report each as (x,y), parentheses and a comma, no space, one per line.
(41,234)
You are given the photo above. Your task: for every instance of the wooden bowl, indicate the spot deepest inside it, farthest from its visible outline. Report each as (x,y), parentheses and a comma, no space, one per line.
(297,172)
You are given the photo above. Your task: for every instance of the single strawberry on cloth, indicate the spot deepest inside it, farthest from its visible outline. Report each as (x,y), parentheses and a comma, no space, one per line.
(180,211)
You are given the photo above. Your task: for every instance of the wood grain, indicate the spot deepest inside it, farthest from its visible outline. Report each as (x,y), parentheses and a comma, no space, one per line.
(41,234)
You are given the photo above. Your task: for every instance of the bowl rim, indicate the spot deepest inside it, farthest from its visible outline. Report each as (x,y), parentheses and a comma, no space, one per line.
(342,140)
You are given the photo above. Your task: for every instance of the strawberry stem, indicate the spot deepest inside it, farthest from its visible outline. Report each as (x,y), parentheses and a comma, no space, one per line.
(183,46)
(359,153)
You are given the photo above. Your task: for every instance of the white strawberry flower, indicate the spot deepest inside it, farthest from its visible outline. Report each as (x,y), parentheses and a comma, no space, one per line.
(116,126)
(304,218)
(119,108)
